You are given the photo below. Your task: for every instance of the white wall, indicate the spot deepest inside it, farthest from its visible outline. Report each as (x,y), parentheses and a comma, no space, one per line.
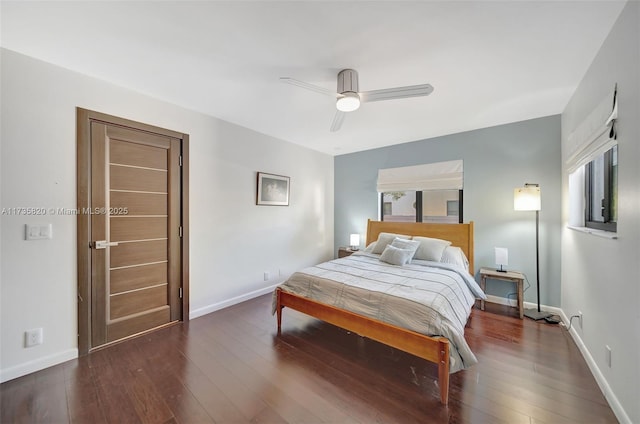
(232,241)
(601,277)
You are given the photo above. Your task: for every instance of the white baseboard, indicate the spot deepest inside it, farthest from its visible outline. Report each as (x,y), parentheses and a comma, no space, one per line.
(501,300)
(37,365)
(230,302)
(527,305)
(614,403)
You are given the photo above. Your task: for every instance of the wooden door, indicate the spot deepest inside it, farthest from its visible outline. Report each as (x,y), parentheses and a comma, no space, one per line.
(134,230)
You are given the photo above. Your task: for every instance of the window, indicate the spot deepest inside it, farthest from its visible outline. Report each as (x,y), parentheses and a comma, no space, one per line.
(601,191)
(399,206)
(422,206)
(422,193)
(592,167)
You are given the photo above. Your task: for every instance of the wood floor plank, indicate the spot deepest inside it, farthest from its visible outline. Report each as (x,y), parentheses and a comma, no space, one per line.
(15,400)
(282,379)
(116,404)
(210,395)
(83,403)
(231,366)
(341,382)
(322,380)
(239,395)
(35,398)
(147,401)
(401,413)
(167,365)
(239,371)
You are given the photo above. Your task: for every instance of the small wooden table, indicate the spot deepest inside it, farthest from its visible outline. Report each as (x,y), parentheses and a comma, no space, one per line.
(513,276)
(345,251)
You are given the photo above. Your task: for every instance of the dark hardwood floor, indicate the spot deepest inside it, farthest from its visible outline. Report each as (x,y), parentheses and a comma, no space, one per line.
(231,367)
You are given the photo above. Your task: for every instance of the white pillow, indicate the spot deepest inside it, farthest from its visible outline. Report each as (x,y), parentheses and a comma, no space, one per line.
(455,256)
(385,239)
(406,244)
(395,256)
(369,249)
(430,249)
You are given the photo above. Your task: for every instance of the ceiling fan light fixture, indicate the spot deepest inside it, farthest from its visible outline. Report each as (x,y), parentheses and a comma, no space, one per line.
(349,102)
(348,95)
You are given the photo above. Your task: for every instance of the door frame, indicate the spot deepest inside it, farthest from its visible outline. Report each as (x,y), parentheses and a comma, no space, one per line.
(84,117)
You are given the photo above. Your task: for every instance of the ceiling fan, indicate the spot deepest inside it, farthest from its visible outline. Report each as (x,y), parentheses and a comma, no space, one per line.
(349,98)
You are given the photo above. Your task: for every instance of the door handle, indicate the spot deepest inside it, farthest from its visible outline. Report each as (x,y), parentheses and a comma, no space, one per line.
(103,244)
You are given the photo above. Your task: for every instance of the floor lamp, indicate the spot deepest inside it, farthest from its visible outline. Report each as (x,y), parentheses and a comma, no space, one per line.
(527,198)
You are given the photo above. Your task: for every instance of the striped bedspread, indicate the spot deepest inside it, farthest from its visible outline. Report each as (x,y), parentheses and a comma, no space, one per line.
(426,297)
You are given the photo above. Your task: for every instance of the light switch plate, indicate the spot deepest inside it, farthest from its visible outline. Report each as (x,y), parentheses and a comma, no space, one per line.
(38,231)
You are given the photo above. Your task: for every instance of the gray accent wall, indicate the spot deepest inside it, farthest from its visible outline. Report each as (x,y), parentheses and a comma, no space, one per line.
(496,160)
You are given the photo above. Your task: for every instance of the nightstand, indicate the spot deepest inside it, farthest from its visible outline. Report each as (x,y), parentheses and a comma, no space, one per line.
(513,276)
(345,251)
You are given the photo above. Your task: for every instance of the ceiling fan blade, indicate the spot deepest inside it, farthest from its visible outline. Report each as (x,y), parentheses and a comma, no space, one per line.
(396,93)
(308,86)
(338,118)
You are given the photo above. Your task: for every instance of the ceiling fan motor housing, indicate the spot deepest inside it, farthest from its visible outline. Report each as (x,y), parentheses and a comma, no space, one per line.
(347,81)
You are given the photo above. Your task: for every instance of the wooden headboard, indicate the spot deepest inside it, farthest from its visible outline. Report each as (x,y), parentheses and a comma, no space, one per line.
(460,235)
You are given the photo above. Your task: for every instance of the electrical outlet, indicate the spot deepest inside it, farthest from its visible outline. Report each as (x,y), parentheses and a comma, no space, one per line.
(33,337)
(580,319)
(608,355)
(266,276)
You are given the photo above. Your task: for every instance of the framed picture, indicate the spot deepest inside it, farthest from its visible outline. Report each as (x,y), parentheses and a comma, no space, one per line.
(273,190)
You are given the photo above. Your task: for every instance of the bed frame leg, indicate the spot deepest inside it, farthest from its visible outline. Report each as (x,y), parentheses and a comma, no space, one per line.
(279,308)
(443,371)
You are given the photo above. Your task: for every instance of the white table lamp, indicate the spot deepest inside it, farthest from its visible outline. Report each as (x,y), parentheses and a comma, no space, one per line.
(354,241)
(502,258)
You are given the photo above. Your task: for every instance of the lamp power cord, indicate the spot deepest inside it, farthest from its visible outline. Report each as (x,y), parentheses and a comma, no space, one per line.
(570,322)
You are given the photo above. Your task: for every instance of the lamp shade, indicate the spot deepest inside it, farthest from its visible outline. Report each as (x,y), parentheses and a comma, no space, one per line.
(527,198)
(354,241)
(502,256)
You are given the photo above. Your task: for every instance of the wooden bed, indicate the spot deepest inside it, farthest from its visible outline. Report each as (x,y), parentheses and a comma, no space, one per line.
(433,349)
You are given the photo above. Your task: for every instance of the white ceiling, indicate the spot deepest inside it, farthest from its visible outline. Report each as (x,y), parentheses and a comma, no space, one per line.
(491,62)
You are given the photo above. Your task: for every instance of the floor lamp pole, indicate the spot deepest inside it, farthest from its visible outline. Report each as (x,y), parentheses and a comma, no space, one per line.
(538,259)
(533,313)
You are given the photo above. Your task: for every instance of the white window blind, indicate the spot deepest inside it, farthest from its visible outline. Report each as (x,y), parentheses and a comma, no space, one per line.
(433,176)
(576,198)
(595,135)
